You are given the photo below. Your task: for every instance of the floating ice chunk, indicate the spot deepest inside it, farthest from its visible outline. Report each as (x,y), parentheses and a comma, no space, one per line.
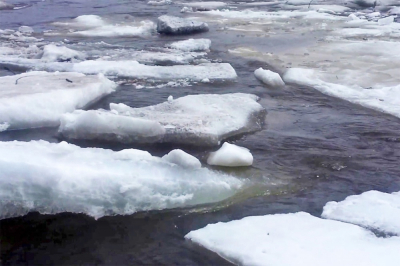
(101,125)
(38,99)
(132,69)
(191,45)
(231,155)
(170,98)
(372,209)
(95,26)
(26,29)
(53,178)
(186,9)
(182,158)
(268,77)
(208,4)
(53,53)
(386,21)
(296,239)
(219,115)
(160,3)
(353,17)
(4,126)
(175,25)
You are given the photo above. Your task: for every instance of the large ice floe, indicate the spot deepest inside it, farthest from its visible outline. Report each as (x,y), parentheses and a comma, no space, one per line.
(53,178)
(373,209)
(38,99)
(96,26)
(201,120)
(175,25)
(296,239)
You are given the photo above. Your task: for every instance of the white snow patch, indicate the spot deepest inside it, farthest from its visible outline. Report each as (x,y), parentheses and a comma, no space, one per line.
(38,99)
(231,155)
(53,178)
(182,158)
(191,45)
(297,239)
(201,120)
(372,209)
(268,77)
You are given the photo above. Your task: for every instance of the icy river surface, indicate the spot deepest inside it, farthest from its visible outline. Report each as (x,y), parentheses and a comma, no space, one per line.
(331,131)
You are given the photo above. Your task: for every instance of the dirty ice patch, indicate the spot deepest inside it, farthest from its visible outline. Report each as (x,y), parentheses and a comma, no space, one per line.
(199,120)
(191,45)
(96,26)
(38,99)
(52,178)
(384,99)
(373,210)
(296,239)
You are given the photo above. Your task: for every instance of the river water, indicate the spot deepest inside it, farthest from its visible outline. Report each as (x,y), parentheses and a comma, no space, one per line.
(313,149)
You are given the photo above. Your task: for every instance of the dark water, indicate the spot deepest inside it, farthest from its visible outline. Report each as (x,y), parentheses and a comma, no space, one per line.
(313,149)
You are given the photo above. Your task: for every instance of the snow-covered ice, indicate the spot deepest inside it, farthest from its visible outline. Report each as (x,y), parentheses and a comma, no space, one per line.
(108,126)
(182,158)
(200,120)
(296,239)
(38,99)
(191,45)
(268,77)
(175,25)
(372,209)
(231,155)
(52,178)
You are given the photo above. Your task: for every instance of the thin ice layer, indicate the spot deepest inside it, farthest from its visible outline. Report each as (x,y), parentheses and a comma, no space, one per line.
(297,239)
(372,209)
(200,120)
(53,178)
(38,99)
(385,99)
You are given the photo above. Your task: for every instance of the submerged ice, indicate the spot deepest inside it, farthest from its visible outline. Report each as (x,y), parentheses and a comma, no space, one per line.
(53,178)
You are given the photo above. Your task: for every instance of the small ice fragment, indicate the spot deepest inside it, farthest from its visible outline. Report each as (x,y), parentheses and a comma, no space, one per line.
(353,17)
(231,155)
(182,158)
(170,98)
(268,77)
(25,29)
(4,126)
(206,80)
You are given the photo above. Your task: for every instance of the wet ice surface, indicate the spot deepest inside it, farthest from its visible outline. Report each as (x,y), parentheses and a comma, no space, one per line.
(313,149)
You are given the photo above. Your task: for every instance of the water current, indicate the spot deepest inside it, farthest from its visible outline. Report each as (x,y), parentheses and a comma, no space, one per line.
(313,149)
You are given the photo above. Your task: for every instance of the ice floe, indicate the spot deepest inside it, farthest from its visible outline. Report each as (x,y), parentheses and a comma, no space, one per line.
(297,239)
(373,210)
(38,99)
(231,155)
(191,45)
(175,25)
(96,26)
(268,77)
(200,120)
(52,178)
